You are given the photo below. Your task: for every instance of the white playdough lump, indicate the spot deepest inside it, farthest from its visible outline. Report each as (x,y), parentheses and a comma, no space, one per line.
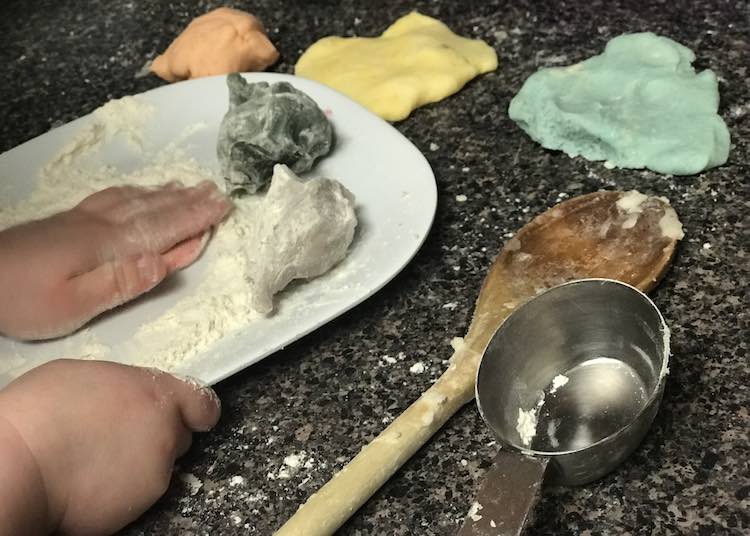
(302,229)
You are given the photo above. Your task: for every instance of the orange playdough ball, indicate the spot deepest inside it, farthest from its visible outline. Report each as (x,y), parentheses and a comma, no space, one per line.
(222,41)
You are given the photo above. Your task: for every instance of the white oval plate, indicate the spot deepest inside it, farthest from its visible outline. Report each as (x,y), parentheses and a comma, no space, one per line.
(395,192)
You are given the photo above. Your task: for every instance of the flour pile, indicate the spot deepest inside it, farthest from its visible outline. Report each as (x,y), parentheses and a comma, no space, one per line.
(220,304)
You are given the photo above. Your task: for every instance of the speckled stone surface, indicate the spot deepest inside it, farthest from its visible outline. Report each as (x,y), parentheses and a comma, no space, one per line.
(329,393)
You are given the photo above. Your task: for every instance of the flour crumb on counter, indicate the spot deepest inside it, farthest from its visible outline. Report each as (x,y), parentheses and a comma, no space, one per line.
(193,483)
(388,360)
(294,460)
(236,480)
(417,368)
(474,512)
(291,465)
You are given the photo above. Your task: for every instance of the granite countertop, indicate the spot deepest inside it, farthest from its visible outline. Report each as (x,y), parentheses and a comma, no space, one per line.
(334,390)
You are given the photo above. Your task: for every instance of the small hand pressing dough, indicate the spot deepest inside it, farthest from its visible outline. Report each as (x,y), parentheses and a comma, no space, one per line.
(222,41)
(417,60)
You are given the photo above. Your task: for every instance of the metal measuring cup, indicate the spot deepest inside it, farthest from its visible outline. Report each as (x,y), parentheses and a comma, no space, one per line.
(569,384)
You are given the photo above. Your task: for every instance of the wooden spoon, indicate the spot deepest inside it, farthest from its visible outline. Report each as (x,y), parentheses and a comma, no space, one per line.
(612,235)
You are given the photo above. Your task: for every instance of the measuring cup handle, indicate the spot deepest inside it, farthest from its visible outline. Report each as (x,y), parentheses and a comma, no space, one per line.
(507,495)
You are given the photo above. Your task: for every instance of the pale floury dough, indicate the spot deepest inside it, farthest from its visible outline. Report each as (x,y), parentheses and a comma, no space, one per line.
(633,204)
(416,61)
(302,229)
(222,41)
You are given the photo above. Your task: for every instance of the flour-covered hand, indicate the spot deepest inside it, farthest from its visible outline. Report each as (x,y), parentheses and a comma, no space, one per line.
(58,273)
(87,446)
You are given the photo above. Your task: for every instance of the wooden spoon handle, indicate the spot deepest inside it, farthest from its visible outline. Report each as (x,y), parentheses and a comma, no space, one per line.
(328,508)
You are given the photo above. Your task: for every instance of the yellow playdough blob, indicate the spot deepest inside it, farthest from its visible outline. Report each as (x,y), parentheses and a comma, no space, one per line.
(416,61)
(222,41)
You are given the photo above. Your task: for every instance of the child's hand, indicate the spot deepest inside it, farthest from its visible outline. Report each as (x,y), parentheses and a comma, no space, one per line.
(60,272)
(87,446)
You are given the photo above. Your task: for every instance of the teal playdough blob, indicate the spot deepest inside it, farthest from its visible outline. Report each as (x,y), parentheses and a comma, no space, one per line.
(639,104)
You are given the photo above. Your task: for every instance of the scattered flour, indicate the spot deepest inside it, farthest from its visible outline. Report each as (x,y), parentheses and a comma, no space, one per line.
(670,225)
(632,204)
(66,179)
(433,400)
(236,480)
(666,335)
(193,482)
(294,460)
(221,302)
(551,433)
(526,425)
(388,359)
(291,465)
(558,381)
(474,512)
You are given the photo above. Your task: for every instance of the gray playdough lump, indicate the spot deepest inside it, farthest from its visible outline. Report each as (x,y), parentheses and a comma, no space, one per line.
(268,124)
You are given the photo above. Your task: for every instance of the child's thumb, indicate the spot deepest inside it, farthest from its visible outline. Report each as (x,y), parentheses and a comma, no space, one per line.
(200,407)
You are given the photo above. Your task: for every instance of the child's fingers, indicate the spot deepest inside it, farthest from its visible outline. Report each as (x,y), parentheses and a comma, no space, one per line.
(186,252)
(105,200)
(111,284)
(181,215)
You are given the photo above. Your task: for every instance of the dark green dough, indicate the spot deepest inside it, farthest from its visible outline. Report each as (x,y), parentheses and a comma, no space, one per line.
(268,124)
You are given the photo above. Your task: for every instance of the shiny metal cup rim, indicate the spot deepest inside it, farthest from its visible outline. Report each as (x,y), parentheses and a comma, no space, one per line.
(654,396)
